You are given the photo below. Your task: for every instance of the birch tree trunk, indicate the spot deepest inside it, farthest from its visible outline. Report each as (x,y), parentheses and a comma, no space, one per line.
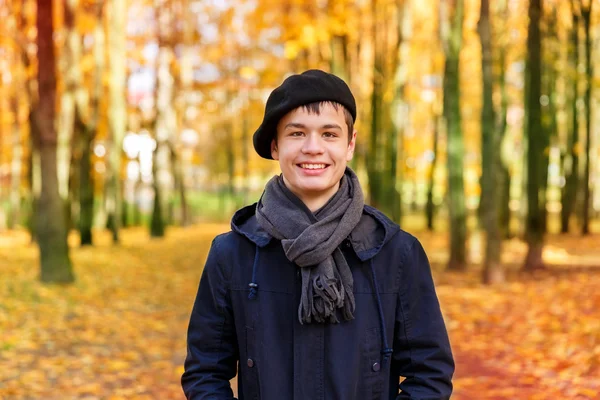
(16,166)
(185,82)
(399,109)
(501,127)
(548,102)
(51,231)
(69,67)
(68,135)
(160,128)
(492,265)
(117,112)
(86,178)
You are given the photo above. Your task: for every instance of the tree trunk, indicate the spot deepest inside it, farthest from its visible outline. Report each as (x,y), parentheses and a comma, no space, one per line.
(157,224)
(231,192)
(137,211)
(161,127)
(86,198)
(14,215)
(4,194)
(374,158)
(430,207)
(86,178)
(501,127)
(72,200)
(549,111)
(492,266)
(586,13)
(373,163)
(456,200)
(70,69)
(86,185)
(245,153)
(504,212)
(339,56)
(179,184)
(51,231)
(34,174)
(185,83)
(534,234)
(398,110)
(571,159)
(185,212)
(386,135)
(117,109)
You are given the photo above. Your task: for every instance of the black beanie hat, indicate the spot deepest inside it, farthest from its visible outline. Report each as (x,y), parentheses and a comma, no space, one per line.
(297,90)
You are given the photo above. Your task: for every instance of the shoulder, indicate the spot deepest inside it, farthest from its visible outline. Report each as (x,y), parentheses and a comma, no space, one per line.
(226,254)
(395,236)
(228,242)
(405,239)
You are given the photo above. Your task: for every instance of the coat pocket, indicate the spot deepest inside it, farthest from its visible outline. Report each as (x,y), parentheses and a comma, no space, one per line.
(373,370)
(250,366)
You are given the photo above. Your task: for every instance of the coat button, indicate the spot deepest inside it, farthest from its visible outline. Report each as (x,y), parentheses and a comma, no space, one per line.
(376,367)
(250,363)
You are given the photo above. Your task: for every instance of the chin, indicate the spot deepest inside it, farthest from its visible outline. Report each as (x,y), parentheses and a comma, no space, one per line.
(314,189)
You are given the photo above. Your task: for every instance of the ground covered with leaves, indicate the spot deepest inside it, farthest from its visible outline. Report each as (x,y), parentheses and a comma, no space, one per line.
(119,331)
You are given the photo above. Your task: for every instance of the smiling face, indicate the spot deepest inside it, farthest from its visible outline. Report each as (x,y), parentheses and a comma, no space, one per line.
(313,150)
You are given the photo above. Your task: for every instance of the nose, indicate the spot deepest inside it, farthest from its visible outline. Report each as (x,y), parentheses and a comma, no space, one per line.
(312,144)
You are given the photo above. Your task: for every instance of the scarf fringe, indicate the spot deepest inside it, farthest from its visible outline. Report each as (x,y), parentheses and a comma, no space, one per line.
(322,301)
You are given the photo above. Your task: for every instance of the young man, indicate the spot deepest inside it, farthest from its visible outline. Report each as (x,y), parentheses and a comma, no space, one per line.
(314,295)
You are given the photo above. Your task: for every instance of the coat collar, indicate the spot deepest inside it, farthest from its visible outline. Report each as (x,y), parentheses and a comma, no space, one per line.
(372,232)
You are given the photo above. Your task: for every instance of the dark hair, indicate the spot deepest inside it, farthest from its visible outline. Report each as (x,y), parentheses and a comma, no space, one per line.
(315,108)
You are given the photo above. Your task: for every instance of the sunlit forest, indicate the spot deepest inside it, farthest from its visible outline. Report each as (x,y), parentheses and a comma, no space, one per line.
(126,145)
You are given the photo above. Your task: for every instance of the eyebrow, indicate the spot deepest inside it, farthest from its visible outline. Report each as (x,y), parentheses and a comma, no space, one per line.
(302,126)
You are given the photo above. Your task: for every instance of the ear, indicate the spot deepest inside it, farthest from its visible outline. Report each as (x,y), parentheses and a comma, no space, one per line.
(351,147)
(274,150)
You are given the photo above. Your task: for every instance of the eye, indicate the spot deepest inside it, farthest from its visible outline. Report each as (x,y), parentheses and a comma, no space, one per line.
(297,134)
(329,134)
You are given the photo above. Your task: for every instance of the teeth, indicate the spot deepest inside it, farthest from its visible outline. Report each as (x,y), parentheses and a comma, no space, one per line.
(312,166)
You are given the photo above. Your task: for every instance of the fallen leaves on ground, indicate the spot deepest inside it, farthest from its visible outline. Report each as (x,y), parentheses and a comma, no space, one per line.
(536,339)
(119,331)
(536,336)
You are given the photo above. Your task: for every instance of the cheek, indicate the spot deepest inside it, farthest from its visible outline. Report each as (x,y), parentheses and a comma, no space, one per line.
(341,153)
(284,155)
(286,159)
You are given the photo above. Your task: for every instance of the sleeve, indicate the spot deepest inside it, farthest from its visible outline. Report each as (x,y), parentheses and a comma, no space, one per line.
(212,351)
(422,353)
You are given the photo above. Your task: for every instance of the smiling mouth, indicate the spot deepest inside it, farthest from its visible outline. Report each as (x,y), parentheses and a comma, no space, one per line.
(313,166)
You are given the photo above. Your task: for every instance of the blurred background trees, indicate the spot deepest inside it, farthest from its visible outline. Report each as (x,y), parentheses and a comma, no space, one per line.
(475,117)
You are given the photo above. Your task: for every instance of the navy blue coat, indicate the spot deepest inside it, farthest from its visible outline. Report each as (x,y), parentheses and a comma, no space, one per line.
(398,330)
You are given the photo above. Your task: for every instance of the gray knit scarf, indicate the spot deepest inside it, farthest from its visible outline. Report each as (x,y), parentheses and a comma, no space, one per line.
(312,241)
